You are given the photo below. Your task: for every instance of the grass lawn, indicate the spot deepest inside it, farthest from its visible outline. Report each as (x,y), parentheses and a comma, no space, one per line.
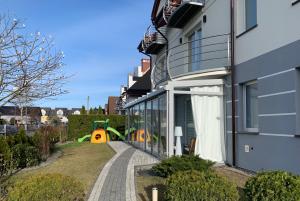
(83,161)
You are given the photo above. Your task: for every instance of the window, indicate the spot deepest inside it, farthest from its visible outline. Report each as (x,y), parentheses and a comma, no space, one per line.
(250,13)
(251,106)
(246,15)
(195,50)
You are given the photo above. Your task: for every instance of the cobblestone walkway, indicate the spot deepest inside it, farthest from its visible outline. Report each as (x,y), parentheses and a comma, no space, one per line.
(116,180)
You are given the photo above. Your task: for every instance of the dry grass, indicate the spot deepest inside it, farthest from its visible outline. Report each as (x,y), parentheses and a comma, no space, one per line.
(82,161)
(144,185)
(235,176)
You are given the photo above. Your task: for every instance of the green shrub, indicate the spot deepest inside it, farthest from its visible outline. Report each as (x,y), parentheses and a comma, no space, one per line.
(199,186)
(20,137)
(81,125)
(5,157)
(44,140)
(48,187)
(186,162)
(25,155)
(273,186)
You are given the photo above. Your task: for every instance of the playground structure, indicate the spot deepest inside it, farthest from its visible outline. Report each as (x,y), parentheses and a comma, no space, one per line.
(102,133)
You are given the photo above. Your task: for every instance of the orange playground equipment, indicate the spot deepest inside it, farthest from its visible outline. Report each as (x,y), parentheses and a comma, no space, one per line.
(101,133)
(139,136)
(99,136)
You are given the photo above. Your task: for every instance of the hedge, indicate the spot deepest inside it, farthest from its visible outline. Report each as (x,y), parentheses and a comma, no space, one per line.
(200,186)
(81,125)
(181,163)
(273,186)
(48,187)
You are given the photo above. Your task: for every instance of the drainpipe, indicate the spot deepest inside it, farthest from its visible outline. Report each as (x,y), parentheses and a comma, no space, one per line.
(233,94)
(167,44)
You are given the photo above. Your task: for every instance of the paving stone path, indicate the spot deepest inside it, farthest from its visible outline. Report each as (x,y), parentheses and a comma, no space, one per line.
(116,180)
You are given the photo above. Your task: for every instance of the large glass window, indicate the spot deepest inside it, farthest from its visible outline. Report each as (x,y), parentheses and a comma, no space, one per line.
(189,122)
(136,125)
(155,126)
(141,131)
(163,125)
(251,106)
(131,126)
(250,13)
(148,125)
(195,50)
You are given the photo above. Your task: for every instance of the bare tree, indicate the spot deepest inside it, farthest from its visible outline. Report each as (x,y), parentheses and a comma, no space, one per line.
(30,68)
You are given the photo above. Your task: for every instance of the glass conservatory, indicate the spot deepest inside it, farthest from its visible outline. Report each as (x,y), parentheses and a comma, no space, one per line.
(196,106)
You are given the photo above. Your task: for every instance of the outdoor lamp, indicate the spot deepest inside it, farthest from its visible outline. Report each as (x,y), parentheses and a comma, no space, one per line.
(178,134)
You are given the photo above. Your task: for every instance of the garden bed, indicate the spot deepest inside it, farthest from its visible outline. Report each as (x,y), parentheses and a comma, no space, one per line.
(146,180)
(81,161)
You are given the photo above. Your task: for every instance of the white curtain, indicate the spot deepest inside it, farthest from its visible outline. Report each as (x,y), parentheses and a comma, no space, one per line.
(209,125)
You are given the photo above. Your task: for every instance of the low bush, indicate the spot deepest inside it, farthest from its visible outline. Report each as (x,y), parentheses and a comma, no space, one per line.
(273,186)
(199,186)
(5,157)
(54,187)
(25,155)
(186,162)
(44,140)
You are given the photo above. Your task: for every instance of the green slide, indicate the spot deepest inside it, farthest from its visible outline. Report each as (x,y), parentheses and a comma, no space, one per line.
(84,138)
(115,132)
(130,130)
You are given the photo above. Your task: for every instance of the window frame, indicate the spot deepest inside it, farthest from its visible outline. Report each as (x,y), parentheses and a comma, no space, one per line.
(252,130)
(246,16)
(242,19)
(194,32)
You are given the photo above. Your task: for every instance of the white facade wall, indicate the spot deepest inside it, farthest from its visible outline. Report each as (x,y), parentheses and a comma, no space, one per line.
(277,26)
(218,22)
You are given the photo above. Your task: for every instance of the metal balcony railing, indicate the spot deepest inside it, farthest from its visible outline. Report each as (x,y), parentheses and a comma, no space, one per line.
(159,73)
(199,55)
(153,41)
(176,13)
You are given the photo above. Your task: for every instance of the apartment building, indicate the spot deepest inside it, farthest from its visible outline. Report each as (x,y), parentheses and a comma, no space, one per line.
(138,84)
(226,73)
(267,62)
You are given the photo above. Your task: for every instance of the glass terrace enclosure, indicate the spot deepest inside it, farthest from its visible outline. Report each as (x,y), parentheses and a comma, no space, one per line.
(151,119)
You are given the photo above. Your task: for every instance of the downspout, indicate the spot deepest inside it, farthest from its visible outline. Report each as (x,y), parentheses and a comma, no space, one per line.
(233,93)
(167,41)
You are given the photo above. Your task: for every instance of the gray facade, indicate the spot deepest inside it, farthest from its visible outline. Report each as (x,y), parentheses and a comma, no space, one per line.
(265,54)
(276,144)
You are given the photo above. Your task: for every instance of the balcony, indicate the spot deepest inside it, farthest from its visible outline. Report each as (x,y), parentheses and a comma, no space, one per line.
(178,12)
(153,41)
(159,72)
(205,55)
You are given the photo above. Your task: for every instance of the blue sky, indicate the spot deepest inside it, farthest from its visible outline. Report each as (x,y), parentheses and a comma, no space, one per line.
(99,39)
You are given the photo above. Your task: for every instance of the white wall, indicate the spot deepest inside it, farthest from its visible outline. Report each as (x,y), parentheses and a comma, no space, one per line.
(218,22)
(278,25)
